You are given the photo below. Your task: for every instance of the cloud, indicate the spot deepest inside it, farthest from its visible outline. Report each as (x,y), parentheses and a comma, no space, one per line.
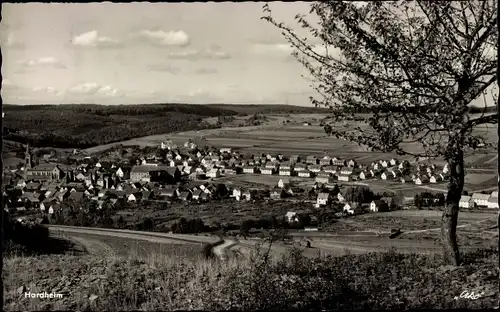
(93,39)
(164,68)
(165,38)
(49,90)
(206,71)
(11,41)
(195,55)
(92,88)
(47,61)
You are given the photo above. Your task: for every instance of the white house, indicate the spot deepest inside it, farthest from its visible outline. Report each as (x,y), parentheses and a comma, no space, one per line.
(466,202)
(365,175)
(119,173)
(434,178)
(213,173)
(340,197)
(291,217)
(393,162)
(249,169)
(305,174)
(480,199)
(51,210)
(421,180)
(131,197)
(351,163)
(351,208)
(384,176)
(384,163)
(171,163)
(374,205)
(267,171)
(225,150)
(285,172)
(493,200)
(345,178)
(446,169)
(323,199)
(346,170)
(98,165)
(283,183)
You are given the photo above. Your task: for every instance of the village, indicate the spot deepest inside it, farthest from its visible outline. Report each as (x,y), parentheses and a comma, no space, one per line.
(169,174)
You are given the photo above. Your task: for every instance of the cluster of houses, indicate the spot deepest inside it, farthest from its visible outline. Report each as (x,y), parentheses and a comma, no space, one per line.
(480,200)
(182,175)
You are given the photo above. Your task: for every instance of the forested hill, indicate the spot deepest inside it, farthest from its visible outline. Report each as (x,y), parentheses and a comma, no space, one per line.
(87,125)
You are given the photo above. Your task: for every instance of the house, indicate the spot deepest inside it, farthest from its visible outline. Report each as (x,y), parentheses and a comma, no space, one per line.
(285,172)
(330,169)
(305,174)
(365,175)
(282,183)
(315,168)
(150,162)
(213,173)
(323,199)
(236,193)
(291,217)
(345,178)
(132,197)
(393,162)
(277,194)
(247,195)
(295,158)
(388,200)
(325,161)
(446,169)
(324,178)
(352,208)
(493,200)
(406,179)
(435,179)
(480,200)
(249,169)
(384,164)
(347,170)
(404,164)
(300,167)
(384,176)
(169,192)
(340,197)
(311,160)
(338,162)
(197,194)
(185,196)
(375,205)
(466,202)
(286,166)
(267,171)
(352,163)
(203,197)
(140,173)
(225,150)
(421,180)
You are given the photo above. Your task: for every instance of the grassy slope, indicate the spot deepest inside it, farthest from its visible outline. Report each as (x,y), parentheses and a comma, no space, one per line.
(384,280)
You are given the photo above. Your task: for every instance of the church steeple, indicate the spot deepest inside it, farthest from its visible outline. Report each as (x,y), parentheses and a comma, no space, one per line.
(27,157)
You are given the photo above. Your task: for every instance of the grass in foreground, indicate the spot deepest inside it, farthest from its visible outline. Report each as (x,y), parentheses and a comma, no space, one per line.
(378,280)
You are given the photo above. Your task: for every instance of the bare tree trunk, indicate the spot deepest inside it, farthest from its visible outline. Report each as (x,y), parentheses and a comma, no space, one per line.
(450,214)
(498,159)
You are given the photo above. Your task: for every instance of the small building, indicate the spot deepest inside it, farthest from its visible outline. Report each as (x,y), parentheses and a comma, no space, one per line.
(247,195)
(493,201)
(300,167)
(213,173)
(480,200)
(421,180)
(277,194)
(236,193)
(285,172)
(315,168)
(338,162)
(340,197)
(312,160)
(283,183)
(267,171)
(345,178)
(197,194)
(352,208)
(352,163)
(434,179)
(347,170)
(323,199)
(249,169)
(325,161)
(466,202)
(291,217)
(365,175)
(305,174)
(330,169)
(384,176)
(406,179)
(185,196)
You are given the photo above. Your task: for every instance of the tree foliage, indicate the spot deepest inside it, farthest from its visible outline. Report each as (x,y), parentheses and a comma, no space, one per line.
(415,67)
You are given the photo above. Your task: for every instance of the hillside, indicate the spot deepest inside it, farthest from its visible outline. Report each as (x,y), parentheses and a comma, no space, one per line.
(87,125)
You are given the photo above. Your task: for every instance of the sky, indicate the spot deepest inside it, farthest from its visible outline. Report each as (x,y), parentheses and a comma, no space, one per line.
(118,53)
(110,53)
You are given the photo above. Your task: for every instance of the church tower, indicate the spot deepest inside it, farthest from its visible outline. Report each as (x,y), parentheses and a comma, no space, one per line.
(27,158)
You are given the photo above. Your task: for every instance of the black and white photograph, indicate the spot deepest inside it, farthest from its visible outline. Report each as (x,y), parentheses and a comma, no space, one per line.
(244,156)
